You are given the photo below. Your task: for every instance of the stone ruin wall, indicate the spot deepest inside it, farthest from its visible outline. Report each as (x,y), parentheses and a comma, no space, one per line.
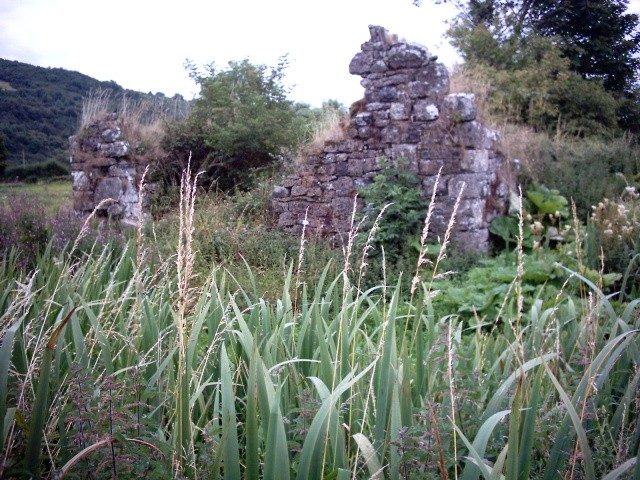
(103,166)
(407,112)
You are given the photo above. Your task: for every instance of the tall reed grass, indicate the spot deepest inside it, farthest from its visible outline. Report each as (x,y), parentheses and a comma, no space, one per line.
(113,364)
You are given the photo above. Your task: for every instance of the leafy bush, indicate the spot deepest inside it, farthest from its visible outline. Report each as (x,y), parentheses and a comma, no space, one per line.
(537,88)
(397,190)
(242,121)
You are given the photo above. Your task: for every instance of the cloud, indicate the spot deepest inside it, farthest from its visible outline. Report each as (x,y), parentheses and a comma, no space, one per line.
(143,44)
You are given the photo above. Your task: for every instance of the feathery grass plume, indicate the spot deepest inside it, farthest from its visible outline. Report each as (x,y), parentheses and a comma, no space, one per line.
(422,256)
(368,244)
(442,254)
(303,241)
(341,344)
(184,453)
(519,280)
(348,248)
(95,106)
(140,251)
(87,223)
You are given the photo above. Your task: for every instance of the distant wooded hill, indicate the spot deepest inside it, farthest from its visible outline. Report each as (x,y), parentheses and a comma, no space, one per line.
(40,108)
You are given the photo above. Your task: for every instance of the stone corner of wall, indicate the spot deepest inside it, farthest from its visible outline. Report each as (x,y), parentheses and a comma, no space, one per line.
(106,172)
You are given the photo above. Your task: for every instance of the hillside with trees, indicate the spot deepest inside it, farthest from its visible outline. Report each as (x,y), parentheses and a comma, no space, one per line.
(40,109)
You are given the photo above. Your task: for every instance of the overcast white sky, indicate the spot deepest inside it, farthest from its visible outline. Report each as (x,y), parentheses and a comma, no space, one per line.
(142,44)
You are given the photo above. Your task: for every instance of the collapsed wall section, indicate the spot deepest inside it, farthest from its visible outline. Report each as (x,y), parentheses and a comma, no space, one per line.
(407,112)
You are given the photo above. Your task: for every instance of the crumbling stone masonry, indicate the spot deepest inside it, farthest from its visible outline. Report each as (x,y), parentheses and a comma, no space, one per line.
(408,112)
(103,167)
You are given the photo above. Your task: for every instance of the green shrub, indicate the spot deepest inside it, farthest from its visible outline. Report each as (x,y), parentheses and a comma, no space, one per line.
(538,89)
(242,121)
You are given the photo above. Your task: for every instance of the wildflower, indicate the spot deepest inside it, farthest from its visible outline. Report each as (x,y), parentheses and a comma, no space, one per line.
(537,228)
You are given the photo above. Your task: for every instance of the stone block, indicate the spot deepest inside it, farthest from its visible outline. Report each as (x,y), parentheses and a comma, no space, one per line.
(379,66)
(412,133)
(475,161)
(418,89)
(437,77)
(361,63)
(474,135)
(82,201)
(429,183)
(115,149)
(399,111)
(342,207)
(405,151)
(375,106)
(363,119)
(286,219)
(80,180)
(397,79)
(476,185)
(460,107)
(110,135)
(391,134)
(342,185)
(425,111)
(473,240)
(280,192)
(108,187)
(406,56)
(99,162)
(366,132)
(382,95)
(355,167)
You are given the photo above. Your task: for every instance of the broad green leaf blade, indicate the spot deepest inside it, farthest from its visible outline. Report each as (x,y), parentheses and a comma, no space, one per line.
(230,455)
(587,456)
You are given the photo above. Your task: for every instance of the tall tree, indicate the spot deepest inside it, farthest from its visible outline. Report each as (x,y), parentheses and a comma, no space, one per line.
(599,38)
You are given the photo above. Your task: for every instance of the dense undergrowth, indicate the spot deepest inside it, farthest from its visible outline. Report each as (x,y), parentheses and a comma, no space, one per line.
(123,361)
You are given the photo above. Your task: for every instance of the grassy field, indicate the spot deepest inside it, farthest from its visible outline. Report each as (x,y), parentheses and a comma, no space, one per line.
(53,194)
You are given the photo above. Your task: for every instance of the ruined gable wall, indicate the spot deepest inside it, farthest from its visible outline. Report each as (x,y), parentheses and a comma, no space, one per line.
(407,112)
(104,167)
